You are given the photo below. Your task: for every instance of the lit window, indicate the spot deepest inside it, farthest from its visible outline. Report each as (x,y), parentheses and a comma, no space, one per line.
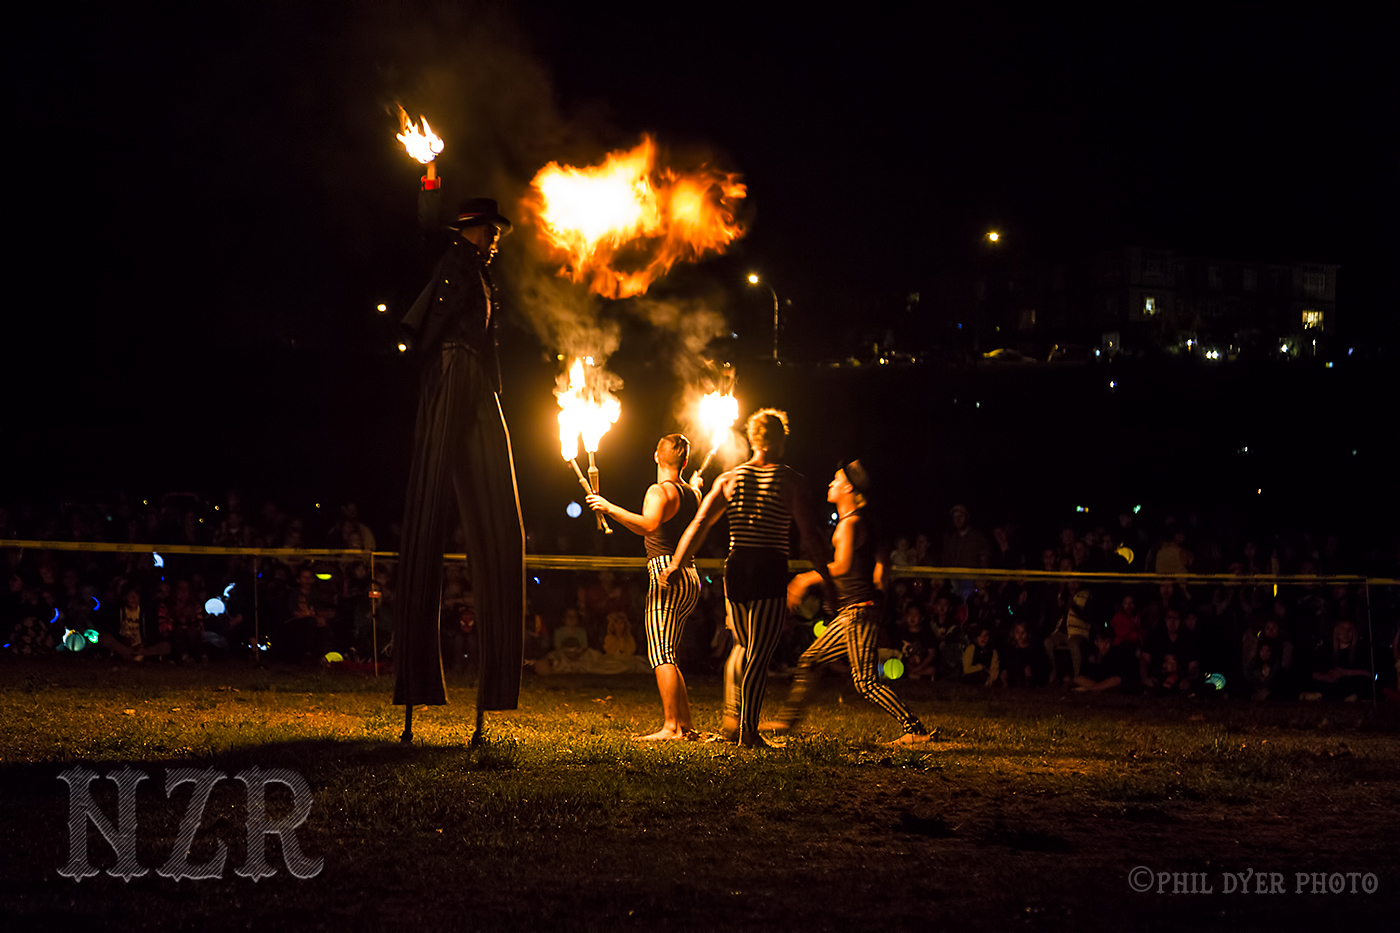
(1149,306)
(1311,319)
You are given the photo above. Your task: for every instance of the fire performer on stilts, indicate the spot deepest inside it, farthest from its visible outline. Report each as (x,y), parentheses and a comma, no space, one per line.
(461,454)
(762,497)
(666,512)
(857,568)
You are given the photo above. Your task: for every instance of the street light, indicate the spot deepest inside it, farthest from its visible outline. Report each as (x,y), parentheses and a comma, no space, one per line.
(756,279)
(993,236)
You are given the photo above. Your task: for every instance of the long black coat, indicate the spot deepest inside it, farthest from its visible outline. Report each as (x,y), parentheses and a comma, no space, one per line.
(461,452)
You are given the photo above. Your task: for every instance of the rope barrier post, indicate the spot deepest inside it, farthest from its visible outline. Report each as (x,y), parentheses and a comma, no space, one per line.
(373,617)
(1370,638)
(257,629)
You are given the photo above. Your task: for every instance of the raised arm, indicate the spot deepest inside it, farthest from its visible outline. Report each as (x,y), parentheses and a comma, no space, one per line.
(661,502)
(711,508)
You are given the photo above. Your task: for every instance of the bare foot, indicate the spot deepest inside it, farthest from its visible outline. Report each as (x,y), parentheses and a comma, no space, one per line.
(774,725)
(664,734)
(912,738)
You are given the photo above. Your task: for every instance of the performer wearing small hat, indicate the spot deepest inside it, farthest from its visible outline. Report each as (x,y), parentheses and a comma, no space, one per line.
(666,512)
(857,569)
(461,455)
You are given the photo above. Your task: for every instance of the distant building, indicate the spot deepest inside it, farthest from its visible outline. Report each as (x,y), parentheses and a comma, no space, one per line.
(1164,299)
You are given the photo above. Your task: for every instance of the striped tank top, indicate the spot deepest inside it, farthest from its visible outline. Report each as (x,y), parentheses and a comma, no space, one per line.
(758,515)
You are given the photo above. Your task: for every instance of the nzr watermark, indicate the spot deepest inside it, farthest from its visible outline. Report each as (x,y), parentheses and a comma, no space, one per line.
(1143,879)
(122,836)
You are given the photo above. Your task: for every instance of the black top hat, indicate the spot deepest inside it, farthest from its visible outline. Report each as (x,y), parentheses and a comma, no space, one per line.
(474,212)
(856,475)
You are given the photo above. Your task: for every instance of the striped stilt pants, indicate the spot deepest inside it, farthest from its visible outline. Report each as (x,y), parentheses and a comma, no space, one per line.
(667,609)
(854,632)
(757,626)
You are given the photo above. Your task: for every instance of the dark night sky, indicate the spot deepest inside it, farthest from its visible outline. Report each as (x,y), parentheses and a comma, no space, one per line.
(223,177)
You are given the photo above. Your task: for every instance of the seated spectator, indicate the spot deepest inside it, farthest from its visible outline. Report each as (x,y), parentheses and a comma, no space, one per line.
(1262,672)
(1280,655)
(1110,666)
(305,631)
(1170,640)
(1025,664)
(1172,678)
(571,654)
(952,646)
(130,634)
(917,644)
(537,638)
(187,624)
(981,665)
(458,627)
(1126,626)
(1072,630)
(620,649)
(619,640)
(1345,673)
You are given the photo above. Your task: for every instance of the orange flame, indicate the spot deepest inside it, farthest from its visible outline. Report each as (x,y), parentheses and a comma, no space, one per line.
(718,414)
(586,409)
(621,225)
(423,146)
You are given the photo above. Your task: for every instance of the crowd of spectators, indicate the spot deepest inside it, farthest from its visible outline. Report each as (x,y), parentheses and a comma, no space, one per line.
(194,608)
(1242,638)
(1239,637)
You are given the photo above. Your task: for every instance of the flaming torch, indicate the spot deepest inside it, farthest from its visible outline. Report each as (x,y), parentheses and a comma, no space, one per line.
(718,412)
(585,412)
(424,145)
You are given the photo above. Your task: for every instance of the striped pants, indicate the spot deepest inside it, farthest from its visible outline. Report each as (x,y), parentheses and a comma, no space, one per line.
(757,626)
(667,609)
(853,633)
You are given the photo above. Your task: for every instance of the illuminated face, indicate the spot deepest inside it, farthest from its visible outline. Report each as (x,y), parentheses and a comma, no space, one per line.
(838,487)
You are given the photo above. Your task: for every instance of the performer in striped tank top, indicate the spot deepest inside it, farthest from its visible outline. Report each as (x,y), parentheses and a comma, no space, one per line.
(666,512)
(761,497)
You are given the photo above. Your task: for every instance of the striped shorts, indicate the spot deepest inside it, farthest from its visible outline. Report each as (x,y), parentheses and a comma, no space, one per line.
(667,610)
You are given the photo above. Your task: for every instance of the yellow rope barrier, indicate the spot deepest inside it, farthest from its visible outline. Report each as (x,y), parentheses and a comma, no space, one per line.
(574,562)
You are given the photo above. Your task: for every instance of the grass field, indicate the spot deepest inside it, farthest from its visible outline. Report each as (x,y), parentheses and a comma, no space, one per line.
(1029,812)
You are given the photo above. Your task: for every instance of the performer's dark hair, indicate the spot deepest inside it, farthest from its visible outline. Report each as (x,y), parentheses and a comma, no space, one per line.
(674,451)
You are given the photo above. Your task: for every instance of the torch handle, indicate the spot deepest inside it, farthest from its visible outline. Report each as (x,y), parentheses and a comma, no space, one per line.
(603,525)
(587,490)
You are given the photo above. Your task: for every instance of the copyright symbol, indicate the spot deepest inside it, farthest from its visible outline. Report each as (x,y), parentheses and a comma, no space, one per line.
(1140,879)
